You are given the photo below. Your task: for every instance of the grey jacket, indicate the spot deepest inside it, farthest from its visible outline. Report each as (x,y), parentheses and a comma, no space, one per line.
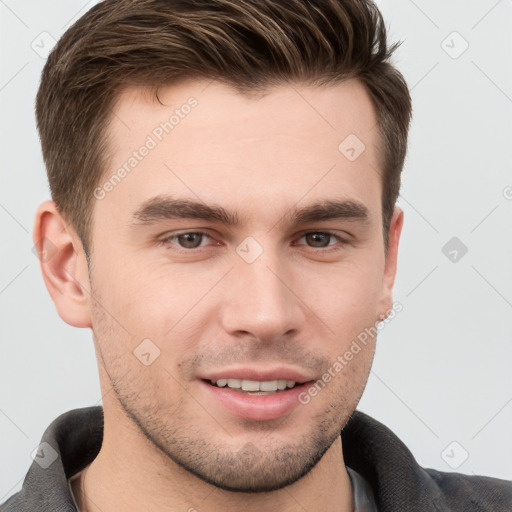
(399,483)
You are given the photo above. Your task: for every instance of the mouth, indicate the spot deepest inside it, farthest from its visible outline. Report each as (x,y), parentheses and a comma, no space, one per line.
(255,395)
(254,387)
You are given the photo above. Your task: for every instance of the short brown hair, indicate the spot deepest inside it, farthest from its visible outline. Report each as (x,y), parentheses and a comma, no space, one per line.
(248,44)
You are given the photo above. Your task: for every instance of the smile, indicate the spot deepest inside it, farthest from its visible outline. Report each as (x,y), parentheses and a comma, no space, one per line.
(255,387)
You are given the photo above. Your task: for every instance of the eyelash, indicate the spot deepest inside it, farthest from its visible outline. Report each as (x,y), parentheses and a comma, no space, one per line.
(168,241)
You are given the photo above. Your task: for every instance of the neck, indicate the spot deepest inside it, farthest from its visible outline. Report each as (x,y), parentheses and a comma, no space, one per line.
(131,474)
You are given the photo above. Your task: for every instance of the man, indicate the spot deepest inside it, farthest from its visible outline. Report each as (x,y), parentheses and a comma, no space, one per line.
(224,177)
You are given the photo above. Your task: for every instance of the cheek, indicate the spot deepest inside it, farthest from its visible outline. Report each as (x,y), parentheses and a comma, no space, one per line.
(146,301)
(347,296)
(139,364)
(161,303)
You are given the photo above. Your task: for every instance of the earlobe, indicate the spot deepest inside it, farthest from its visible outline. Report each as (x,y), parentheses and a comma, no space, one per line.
(63,265)
(390,267)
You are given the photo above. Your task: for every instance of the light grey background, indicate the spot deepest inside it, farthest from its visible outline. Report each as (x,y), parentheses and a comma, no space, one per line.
(442,377)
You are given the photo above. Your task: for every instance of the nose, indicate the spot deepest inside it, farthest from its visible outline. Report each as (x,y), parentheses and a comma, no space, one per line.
(260,300)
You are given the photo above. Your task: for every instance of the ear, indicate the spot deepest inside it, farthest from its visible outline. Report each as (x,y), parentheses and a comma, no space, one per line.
(63,264)
(395,230)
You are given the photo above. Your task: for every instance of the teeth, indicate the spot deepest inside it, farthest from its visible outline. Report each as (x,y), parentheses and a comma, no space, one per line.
(254,385)
(234,383)
(268,385)
(250,385)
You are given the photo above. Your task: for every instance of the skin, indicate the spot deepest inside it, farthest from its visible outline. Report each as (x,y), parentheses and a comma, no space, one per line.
(167,444)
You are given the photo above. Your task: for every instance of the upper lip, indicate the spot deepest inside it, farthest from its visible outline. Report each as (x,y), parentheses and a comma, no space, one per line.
(258,374)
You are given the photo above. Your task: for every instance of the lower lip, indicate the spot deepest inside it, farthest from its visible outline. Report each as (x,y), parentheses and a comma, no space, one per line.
(257,407)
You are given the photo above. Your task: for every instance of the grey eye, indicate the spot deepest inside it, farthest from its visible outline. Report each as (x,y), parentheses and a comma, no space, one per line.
(318,239)
(190,240)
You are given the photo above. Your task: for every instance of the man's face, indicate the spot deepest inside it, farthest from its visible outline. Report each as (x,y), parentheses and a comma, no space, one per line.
(271,286)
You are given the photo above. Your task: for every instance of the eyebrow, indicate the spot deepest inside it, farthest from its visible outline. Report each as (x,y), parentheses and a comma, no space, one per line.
(165,207)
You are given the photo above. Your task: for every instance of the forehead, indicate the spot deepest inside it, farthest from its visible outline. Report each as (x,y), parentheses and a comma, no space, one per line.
(323,113)
(207,140)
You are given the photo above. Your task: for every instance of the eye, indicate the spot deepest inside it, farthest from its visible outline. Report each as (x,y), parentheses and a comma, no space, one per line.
(320,239)
(188,240)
